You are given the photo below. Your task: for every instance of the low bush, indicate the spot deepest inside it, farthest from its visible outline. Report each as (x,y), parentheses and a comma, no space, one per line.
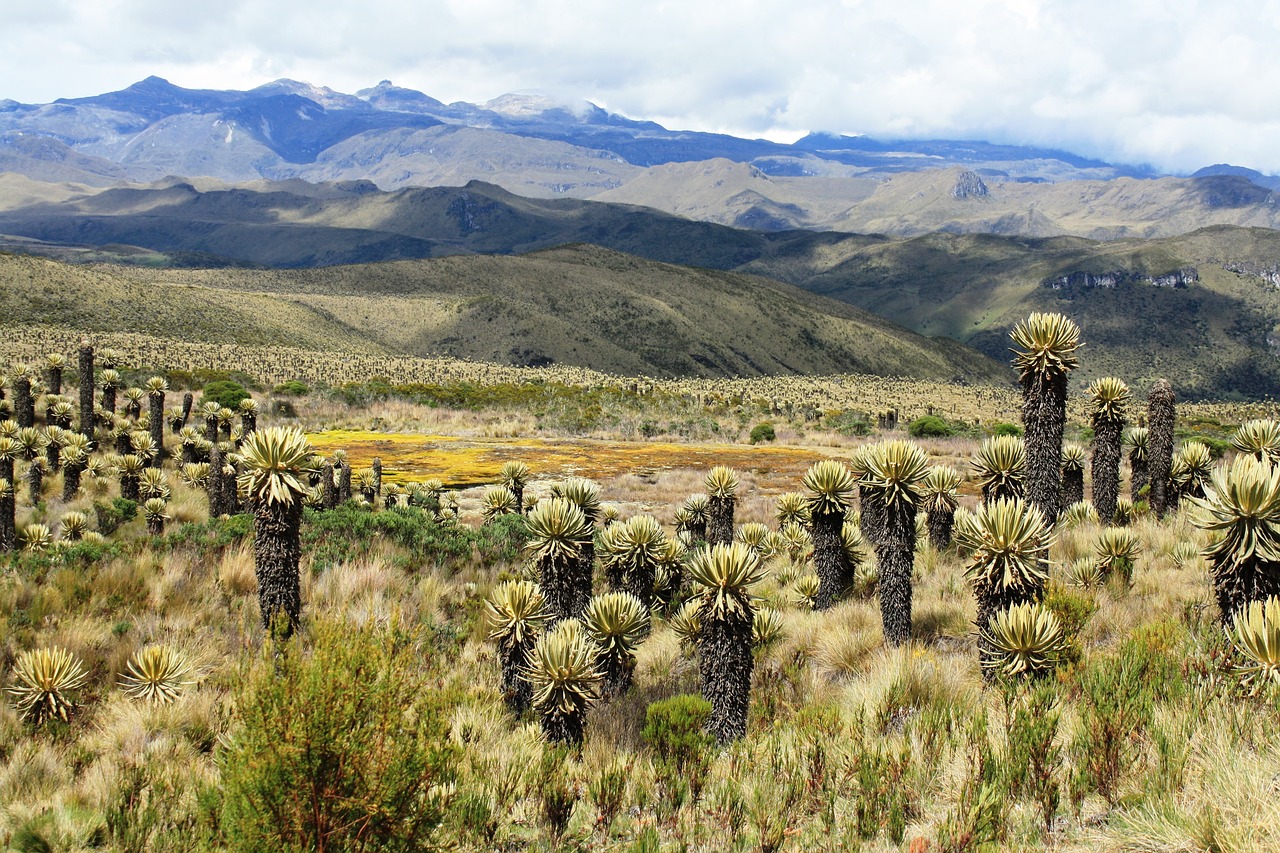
(762,432)
(849,423)
(337,535)
(343,746)
(675,729)
(292,388)
(214,534)
(225,393)
(1034,761)
(1118,697)
(930,426)
(111,514)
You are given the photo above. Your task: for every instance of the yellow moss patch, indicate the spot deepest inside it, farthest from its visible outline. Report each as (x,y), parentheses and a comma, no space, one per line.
(467,461)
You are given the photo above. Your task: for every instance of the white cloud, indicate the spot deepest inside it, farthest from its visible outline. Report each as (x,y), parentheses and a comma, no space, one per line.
(1180,83)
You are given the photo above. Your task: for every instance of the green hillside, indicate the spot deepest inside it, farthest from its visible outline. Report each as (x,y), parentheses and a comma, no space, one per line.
(578,305)
(1212,335)
(103,298)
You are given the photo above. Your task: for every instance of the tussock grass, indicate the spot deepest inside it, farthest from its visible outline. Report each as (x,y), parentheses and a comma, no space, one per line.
(884,744)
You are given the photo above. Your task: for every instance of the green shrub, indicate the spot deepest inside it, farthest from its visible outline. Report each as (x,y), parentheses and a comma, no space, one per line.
(344,746)
(884,796)
(762,432)
(929,426)
(1118,698)
(1006,428)
(849,423)
(292,388)
(1217,447)
(225,393)
(675,730)
(1073,610)
(213,534)
(343,533)
(1034,761)
(78,556)
(608,789)
(556,793)
(113,514)
(1208,432)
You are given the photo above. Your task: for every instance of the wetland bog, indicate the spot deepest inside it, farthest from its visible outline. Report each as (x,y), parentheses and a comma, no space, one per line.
(465,461)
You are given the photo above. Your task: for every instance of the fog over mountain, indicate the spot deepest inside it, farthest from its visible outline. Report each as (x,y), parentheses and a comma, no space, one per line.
(1179,87)
(541,147)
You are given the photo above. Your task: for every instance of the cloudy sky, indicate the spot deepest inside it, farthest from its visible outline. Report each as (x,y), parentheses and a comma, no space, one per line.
(1175,83)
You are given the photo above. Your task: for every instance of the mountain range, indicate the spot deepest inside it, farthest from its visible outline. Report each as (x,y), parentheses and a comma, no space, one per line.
(537,147)
(954,241)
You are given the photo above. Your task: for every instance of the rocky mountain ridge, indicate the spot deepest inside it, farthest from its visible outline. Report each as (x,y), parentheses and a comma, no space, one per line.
(538,147)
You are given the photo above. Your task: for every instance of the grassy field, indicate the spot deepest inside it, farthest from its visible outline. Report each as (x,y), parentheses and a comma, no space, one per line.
(1142,740)
(469,461)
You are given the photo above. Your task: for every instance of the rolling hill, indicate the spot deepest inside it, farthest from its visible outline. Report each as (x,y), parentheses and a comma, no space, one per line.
(1211,330)
(1201,309)
(577,305)
(953,200)
(296,224)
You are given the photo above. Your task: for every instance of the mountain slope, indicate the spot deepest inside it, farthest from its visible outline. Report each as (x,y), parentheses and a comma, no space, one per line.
(952,200)
(1202,309)
(296,225)
(36,291)
(1212,333)
(540,148)
(578,305)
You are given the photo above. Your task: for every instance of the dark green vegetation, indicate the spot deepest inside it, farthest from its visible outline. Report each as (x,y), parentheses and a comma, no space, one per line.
(1200,307)
(225,393)
(345,745)
(930,426)
(1143,313)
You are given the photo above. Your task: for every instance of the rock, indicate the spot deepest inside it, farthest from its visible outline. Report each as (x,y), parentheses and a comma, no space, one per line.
(969,185)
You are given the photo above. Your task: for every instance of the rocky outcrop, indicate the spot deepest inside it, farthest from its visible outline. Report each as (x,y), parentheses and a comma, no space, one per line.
(969,185)
(1270,273)
(1080,280)
(1178,278)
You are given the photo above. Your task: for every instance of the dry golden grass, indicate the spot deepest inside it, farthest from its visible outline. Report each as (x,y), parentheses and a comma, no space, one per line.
(833,663)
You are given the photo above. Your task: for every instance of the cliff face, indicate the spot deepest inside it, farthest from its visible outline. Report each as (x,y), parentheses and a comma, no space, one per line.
(1270,273)
(1080,280)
